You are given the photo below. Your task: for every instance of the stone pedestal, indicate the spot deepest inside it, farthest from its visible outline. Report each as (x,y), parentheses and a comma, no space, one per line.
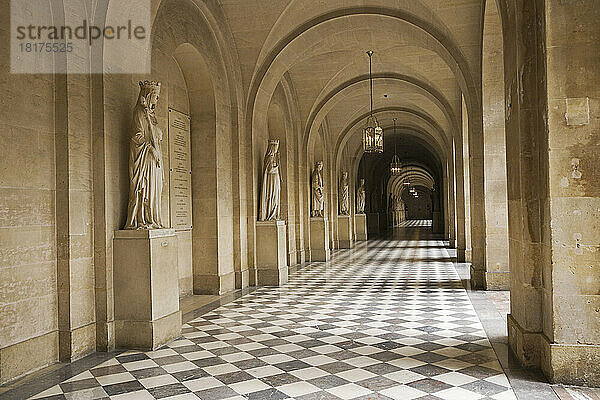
(346,239)
(319,239)
(360,227)
(271,253)
(146,288)
(373,223)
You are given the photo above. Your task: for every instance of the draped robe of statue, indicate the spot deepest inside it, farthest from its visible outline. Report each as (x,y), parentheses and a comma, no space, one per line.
(344,195)
(361,196)
(270,198)
(318,197)
(145,163)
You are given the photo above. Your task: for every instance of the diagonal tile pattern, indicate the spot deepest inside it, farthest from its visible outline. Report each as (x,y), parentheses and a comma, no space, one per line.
(387,320)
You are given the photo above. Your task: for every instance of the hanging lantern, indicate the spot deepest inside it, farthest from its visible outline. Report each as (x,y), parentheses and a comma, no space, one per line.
(396,165)
(373,134)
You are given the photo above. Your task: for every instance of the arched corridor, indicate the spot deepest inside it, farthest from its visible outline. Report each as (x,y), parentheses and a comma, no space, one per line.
(305,199)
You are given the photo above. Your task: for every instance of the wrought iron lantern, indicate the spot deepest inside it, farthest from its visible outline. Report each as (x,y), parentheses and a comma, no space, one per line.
(373,133)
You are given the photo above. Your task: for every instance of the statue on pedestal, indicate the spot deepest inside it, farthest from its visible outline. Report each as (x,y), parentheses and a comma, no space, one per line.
(270,197)
(344,195)
(317,191)
(145,162)
(361,196)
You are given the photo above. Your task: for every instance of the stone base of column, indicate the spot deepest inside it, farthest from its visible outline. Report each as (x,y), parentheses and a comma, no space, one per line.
(209,284)
(477,278)
(242,279)
(570,364)
(319,239)
(373,224)
(460,255)
(346,239)
(524,344)
(468,255)
(360,227)
(146,288)
(564,363)
(497,280)
(271,253)
(301,256)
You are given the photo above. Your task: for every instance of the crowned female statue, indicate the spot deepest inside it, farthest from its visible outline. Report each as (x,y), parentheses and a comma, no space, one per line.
(270,198)
(145,162)
(317,189)
(344,195)
(361,196)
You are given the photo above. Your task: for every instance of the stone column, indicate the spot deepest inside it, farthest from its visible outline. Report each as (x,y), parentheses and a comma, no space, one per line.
(494,148)
(466,181)
(319,239)
(570,345)
(436,215)
(460,197)
(81,282)
(525,132)
(346,240)
(146,288)
(271,253)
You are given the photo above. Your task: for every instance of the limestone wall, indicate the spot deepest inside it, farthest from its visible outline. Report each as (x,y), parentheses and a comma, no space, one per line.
(28,243)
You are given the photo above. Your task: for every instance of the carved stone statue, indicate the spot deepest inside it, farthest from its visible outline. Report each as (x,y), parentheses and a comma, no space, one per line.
(317,191)
(270,197)
(145,162)
(361,196)
(344,195)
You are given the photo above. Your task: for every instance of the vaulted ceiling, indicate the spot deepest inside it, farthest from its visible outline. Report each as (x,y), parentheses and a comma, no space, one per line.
(427,54)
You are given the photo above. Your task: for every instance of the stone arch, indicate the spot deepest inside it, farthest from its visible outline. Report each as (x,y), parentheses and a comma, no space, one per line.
(412,173)
(420,86)
(417,177)
(442,44)
(191,42)
(428,141)
(440,137)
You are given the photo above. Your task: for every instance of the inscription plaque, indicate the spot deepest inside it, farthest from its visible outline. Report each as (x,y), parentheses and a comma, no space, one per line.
(180,173)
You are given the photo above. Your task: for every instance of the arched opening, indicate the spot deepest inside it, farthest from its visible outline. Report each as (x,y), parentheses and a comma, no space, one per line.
(494,151)
(422,174)
(203,241)
(206,250)
(412,196)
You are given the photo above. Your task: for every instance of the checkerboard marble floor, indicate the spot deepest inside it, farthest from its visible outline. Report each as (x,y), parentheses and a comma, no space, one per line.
(386,320)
